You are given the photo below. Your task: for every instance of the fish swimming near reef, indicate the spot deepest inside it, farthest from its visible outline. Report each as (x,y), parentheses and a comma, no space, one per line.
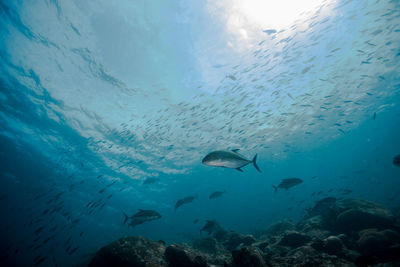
(396,160)
(288,183)
(184,200)
(228,159)
(217,194)
(142,216)
(150,180)
(210,227)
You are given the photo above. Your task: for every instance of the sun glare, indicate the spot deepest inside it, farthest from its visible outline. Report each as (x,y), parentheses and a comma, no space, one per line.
(246,19)
(277,14)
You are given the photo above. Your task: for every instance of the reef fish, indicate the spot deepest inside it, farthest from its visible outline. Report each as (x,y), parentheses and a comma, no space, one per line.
(396,160)
(216,194)
(150,180)
(210,226)
(288,183)
(184,200)
(228,159)
(142,216)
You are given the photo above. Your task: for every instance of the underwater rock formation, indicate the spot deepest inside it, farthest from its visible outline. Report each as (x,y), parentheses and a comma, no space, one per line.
(131,251)
(349,232)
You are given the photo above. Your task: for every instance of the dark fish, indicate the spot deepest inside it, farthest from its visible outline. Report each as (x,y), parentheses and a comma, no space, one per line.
(150,180)
(346,191)
(40,260)
(185,200)
(217,194)
(68,241)
(228,159)
(72,251)
(340,130)
(374,117)
(38,230)
(396,160)
(45,212)
(288,183)
(111,184)
(210,227)
(142,216)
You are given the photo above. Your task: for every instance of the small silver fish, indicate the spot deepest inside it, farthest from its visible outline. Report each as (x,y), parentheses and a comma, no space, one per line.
(228,159)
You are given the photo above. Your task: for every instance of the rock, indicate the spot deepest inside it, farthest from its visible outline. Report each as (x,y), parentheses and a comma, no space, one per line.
(333,245)
(378,246)
(261,245)
(357,214)
(315,227)
(183,256)
(324,208)
(372,240)
(130,251)
(278,228)
(248,257)
(208,245)
(294,239)
(276,250)
(236,239)
(306,256)
(221,235)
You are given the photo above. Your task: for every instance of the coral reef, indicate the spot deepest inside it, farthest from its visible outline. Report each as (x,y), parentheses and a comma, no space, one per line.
(348,232)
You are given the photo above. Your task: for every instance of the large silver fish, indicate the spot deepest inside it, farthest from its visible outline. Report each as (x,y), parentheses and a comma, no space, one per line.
(228,159)
(142,216)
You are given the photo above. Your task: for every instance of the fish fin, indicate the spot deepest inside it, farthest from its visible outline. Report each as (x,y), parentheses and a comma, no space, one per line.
(255,163)
(235,150)
(126,217)
(239,169)
(275,188)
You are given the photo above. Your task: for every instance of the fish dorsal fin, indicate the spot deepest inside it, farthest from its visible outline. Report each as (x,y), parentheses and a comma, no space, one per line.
(235,150)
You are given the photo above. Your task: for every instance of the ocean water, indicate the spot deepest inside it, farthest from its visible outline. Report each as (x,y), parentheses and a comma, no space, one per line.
(98,96)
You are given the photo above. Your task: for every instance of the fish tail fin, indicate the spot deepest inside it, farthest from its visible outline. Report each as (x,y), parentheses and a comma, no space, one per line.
(275,188)
(126,217)
(255,163)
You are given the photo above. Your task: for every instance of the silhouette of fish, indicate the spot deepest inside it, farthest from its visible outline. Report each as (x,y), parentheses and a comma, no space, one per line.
(209,227)
(216,194)
(396,160)
(288,183)
(141,216)
(184,200)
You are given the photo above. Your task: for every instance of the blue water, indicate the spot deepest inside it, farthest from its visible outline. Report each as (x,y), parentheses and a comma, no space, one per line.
(104,94)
